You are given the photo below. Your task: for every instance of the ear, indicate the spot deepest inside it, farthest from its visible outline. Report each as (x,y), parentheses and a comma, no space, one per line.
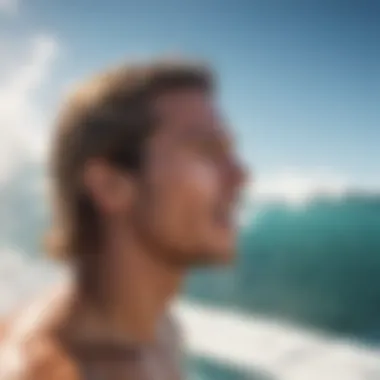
(111,190)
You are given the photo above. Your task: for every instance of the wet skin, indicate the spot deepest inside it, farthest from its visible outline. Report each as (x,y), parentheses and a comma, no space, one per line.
(181,214)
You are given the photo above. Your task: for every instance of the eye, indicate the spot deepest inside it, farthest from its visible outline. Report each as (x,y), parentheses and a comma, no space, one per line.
(210,145)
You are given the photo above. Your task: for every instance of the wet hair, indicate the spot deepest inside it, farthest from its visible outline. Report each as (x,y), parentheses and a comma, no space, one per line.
(110,117)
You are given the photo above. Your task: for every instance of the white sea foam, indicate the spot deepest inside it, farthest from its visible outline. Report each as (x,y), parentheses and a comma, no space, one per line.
(297,186)
(288,353)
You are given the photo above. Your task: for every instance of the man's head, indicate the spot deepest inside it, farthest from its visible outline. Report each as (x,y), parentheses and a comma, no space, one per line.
(144,148)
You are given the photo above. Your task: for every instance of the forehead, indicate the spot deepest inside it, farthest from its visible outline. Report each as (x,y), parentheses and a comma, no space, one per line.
(189,113)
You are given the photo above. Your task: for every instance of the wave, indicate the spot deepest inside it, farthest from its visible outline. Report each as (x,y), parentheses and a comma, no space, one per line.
(318,265)
(232,345)
(298,187)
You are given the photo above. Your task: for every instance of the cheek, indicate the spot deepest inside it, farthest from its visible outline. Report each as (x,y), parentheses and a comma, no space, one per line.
(185,195)
(198,181)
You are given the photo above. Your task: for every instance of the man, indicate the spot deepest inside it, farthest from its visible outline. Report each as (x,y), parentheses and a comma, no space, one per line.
(145,184)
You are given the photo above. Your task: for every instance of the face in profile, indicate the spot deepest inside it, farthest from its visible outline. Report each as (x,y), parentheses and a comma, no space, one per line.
(191,183)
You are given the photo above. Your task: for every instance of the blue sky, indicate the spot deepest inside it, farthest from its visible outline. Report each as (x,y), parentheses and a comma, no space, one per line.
(300,80)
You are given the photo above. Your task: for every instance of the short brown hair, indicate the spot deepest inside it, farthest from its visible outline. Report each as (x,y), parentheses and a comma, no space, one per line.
(109,117)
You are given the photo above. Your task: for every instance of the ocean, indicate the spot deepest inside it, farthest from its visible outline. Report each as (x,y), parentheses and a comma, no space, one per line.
(302,301)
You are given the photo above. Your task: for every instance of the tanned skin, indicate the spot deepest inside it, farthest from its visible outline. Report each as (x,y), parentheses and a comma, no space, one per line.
(155,228)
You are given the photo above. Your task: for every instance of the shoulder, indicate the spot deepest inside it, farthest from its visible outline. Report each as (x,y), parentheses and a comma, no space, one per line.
(29,350)
(39,358)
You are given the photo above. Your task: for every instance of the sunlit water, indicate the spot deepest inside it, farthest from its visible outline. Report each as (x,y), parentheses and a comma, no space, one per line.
(223,344)
(314,264)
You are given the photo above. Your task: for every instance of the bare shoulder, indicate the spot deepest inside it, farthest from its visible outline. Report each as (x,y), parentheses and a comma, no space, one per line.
(40,358)
(29,350)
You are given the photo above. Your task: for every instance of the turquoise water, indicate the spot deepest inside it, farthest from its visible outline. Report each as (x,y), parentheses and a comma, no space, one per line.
(203,369)
(315,265)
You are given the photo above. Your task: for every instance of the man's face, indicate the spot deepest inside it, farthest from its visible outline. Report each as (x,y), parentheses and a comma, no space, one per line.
(189,191)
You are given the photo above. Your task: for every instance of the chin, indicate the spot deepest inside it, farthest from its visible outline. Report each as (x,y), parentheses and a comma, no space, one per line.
(222,257)
(209,255)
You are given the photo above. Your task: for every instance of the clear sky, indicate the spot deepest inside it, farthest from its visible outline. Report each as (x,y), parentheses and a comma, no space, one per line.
(300,80)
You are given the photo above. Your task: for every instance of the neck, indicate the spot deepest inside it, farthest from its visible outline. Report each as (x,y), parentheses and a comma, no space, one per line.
(134,289)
